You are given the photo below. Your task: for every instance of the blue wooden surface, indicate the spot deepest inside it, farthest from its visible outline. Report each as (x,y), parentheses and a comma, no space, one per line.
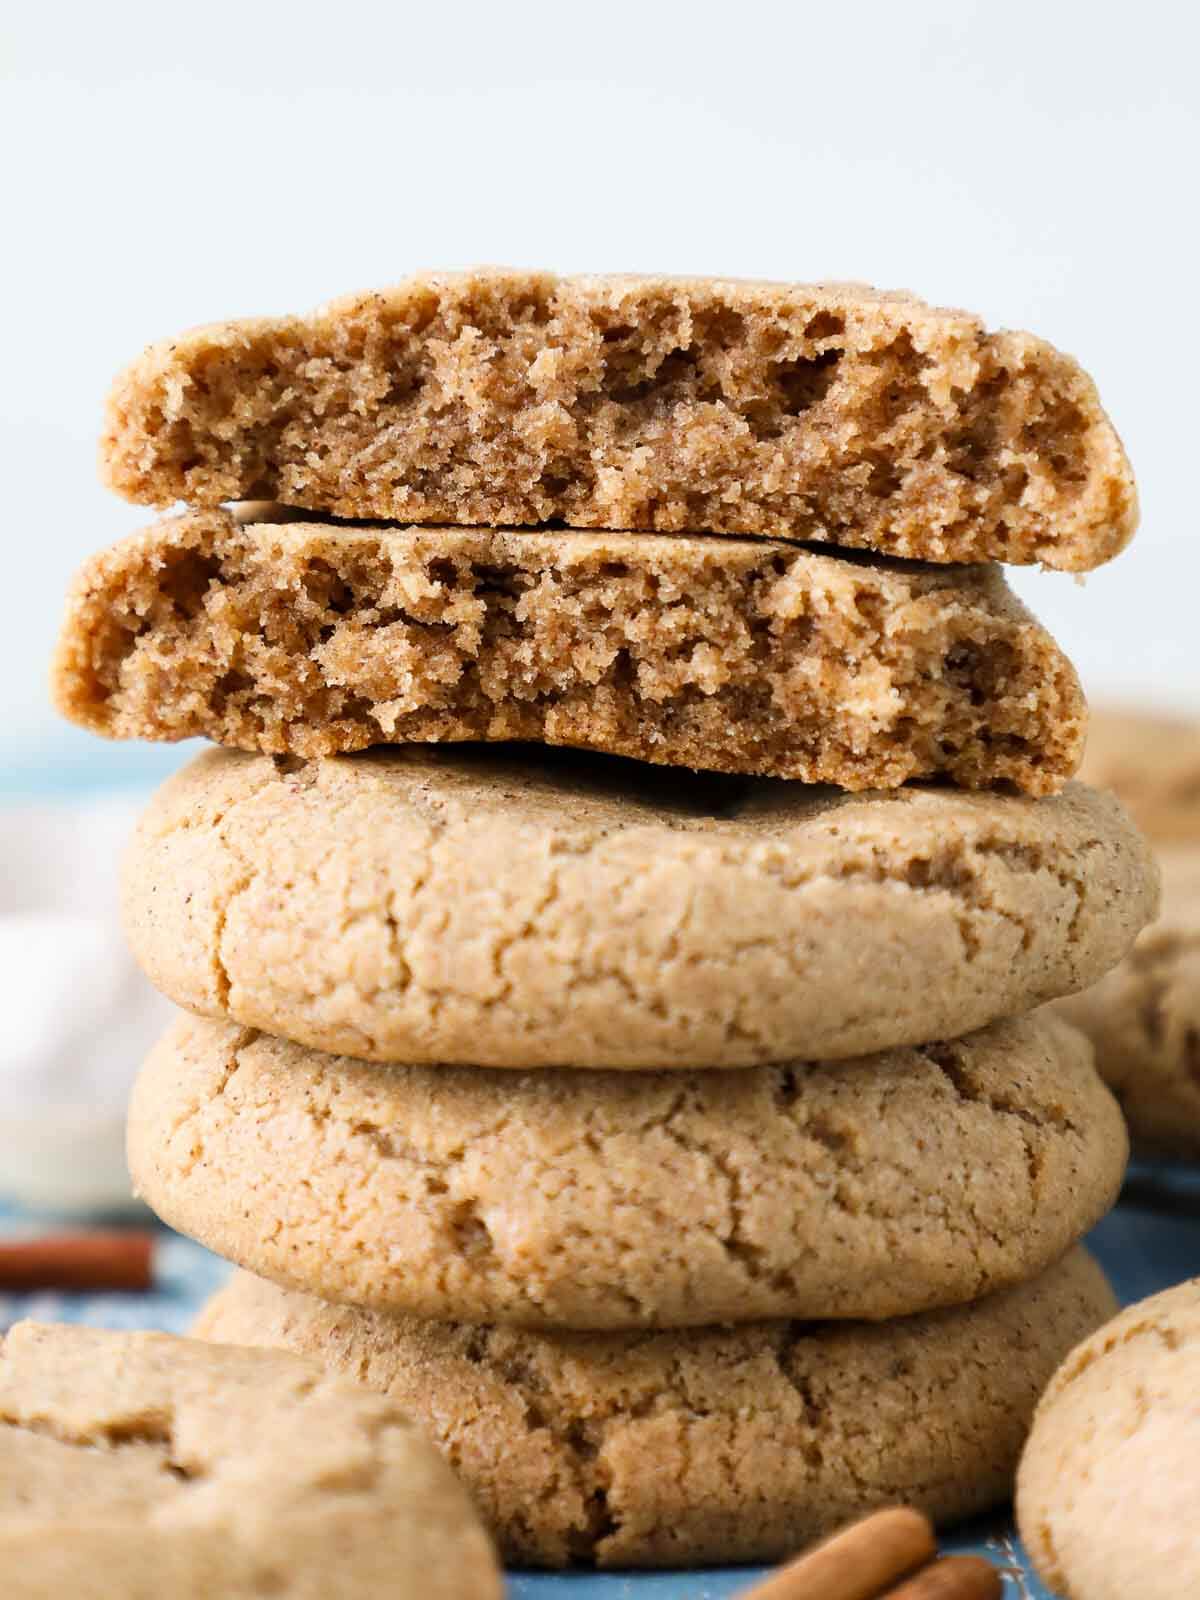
(1150,1241)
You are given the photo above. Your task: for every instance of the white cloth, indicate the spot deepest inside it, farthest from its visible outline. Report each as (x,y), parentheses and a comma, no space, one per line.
(77,1015)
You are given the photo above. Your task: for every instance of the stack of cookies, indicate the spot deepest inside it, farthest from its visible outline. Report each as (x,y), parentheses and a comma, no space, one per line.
(659,1108)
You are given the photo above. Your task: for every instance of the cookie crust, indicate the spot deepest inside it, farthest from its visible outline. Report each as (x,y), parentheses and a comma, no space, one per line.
(859,1189)
(542,908)
(1106,1494)
(173,1467)
(711,1445)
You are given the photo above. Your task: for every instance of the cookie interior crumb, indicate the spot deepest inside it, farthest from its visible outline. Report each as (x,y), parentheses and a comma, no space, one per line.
(826,412)
(727,655)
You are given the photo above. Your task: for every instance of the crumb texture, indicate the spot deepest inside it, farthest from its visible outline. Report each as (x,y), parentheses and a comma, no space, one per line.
(827,412)
(1144,1019)
(711,1445)
(178,1468)
(1106,1495)
(867,1189)
(737,656)
(491,907)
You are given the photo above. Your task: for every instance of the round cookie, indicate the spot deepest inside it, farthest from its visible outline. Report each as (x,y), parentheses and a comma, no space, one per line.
(508,909)
(1144,1019)
(172,1467)
(1153,764)
(713,1444)
(557,1198)
(1109,1481)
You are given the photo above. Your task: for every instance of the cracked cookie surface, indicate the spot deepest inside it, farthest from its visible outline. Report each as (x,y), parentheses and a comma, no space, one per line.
(828,412)
(867,1189)
(313,638)
(1106,1494)
(713,1444)
(544,908)
(1143,1018)
(140,1465)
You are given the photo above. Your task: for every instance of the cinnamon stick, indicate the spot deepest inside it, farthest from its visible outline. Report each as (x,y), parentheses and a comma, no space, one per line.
(859,1563)
(952,1578)
(98,1260)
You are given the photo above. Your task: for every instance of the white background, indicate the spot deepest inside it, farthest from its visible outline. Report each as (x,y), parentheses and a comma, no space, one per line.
(170,164)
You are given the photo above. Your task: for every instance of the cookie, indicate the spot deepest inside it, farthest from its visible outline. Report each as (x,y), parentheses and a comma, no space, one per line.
(519,909)
(826,412)
(140,1465)
(712,1444)
(1108,1483)
(561,1198)
(734,655)
(1144,1019)
(1153,763)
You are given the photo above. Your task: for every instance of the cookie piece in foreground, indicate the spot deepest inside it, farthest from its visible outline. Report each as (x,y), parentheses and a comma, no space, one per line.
(564,1198)
(732,655)
(708,1445)
(1110,1479)
(828,412)
(1143,1018)
(139,1465)
(510,908)
(1152,762)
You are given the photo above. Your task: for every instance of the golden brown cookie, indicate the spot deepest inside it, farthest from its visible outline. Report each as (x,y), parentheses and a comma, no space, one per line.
(733,655)
(807,411)
(138,1466)
(867,1188)
(1144,1019)
(1110,1478)
(542,908)
(713,1444)
(1153,763)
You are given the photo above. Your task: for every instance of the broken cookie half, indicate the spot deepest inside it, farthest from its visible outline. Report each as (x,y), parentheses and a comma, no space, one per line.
(138,1464)
(831,413)
(745,656)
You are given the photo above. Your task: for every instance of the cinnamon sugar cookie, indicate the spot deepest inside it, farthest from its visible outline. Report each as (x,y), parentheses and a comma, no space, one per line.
(541,908)
(567,1198)
(1110,1478)
(313,638)
(1152,762)
(827,412)
(713,1444)
(1143,1018)
(140,1465)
